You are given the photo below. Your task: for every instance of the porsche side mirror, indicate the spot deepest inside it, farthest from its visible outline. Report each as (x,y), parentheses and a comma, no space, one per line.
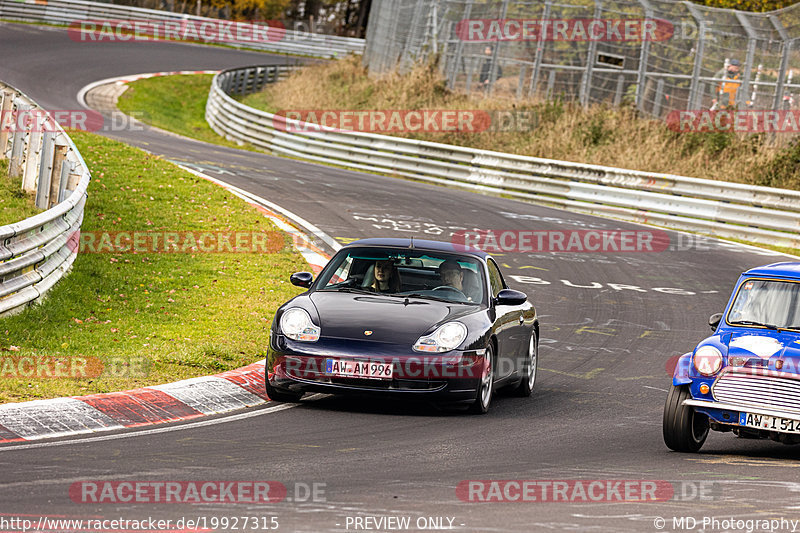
(302,279)
(714,321)
(510,297)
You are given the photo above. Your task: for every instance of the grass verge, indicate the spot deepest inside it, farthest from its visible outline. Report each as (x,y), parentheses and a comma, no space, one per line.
(15,205)
(151,317)
(173,103)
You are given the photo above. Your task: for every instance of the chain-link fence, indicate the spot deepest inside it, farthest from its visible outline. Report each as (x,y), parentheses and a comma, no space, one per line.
(699,57)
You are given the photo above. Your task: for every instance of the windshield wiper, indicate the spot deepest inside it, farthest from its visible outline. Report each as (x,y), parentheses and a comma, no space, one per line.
(349,289)
(438,299)
(754,323)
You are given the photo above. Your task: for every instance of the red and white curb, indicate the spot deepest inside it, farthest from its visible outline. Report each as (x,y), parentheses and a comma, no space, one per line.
(172,402)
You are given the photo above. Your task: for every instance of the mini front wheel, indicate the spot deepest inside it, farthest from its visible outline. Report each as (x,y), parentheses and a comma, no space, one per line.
(685,430)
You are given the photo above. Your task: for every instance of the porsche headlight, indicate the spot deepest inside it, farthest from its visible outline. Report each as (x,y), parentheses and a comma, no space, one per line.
(707,360)
(446,337)
(297,325)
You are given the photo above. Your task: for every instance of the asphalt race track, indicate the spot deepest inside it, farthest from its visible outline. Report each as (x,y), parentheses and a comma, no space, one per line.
(607,335)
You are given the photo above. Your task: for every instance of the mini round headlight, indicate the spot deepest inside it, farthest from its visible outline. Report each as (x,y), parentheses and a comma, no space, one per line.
(707,360)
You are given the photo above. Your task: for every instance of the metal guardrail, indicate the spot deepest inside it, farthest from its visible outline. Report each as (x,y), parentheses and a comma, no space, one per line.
(728,210)
(68,12)
(38,251)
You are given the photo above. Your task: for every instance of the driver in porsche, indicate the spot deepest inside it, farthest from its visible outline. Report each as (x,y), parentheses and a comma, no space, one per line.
(451,274)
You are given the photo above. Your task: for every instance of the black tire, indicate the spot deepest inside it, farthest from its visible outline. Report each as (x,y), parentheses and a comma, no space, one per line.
(684,429)
(526,384)
(280,396)
(483,396)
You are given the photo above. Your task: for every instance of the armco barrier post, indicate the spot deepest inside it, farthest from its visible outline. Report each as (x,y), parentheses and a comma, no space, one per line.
(17,147)
(5,119)
(32,153)
(55,179)
(66,172)
(45,170)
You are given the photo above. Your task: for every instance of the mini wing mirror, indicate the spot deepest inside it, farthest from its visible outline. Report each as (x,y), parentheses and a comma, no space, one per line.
(302,279)
(714,321)
(510,297)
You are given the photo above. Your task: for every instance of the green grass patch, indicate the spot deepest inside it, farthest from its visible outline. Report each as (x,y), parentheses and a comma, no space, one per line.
(182,314)
(15,205)
(173,103)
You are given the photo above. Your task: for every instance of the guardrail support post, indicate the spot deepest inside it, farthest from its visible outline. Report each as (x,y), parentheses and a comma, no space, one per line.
(45,170)
(17,148)
(59,158)
(29,173)
(6,120)
(66,171)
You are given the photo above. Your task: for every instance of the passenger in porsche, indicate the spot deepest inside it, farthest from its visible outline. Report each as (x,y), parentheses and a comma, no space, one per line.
(386,277)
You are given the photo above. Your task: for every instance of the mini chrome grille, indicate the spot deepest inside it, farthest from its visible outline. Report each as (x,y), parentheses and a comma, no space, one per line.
(774,392)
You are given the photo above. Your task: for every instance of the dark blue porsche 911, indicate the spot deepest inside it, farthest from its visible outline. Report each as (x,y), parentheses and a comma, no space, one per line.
(746,377)
(405,318)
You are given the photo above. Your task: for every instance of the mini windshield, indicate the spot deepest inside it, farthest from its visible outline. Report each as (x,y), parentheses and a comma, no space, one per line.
(405,273)
(766,303)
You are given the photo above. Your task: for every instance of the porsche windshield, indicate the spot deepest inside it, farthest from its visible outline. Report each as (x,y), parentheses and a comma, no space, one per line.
(767,303)
(418,273)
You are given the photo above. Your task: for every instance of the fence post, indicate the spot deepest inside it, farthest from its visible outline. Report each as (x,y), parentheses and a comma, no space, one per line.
(521,80)
(66,171)
(551,84)
(779,89)
(698,59)
(644,54)
(744,88)
(59,158)
(495,52)
(586,82)
(6,118)
(540,44)
(618,93)
(45,170)
(31,161)
(459,48)
(659,97)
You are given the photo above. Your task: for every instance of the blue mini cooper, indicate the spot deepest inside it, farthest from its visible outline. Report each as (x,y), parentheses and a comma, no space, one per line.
(745,378)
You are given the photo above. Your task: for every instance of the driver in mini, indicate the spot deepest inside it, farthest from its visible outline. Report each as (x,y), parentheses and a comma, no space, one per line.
(451,274)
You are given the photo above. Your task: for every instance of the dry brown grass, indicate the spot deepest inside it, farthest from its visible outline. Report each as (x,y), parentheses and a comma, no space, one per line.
(600,135)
